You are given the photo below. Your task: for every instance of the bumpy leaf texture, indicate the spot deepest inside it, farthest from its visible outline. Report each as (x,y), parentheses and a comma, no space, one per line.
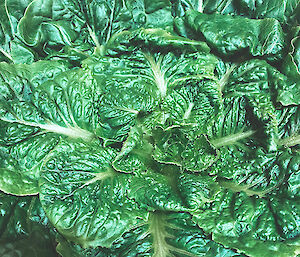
(164,128)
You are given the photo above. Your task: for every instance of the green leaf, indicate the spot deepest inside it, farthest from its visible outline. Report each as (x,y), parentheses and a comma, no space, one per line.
(78,180)
(174,147)
(90,24)
(291,65)
(231,127)
(262,86)
(34,116)
(24,229)
(254,211)
(84,197)
(5,33)
(280,10)
(151,13)
(135,154)
(197,189)
(257,37)
(220,6)
(164,234)
(153,39)
(157,190)
(126,96)
(289,127)
(136,83)
(194,100)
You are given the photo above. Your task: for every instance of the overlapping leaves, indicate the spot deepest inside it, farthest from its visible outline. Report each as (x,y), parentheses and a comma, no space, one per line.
(152,145)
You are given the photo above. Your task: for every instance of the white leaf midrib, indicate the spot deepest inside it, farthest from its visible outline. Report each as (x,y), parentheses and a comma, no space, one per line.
(73,132)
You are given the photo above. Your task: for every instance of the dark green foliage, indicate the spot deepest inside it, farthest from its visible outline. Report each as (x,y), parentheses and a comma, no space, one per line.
(164,128)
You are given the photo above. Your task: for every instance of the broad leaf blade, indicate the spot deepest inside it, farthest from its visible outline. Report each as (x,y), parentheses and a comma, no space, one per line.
(163,235)
(254,211)
(34,117)
(24,228)
(84,197)
(258,37)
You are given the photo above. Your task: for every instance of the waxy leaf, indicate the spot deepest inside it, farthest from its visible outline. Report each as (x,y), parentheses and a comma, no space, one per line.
(34,117)
(164,234)
(24,228)
(258,37)
(84,196)
(254,211)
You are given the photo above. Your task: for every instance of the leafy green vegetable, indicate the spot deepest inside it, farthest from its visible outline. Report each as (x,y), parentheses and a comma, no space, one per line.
(164,234)
(164,128)
(258,37)
(24,228)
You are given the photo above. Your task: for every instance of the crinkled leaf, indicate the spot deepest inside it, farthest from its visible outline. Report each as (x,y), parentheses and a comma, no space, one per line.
(255,176)
(126,96)
(134,84)
(257,37)
(157,191)
(235,127)
(254,211)
(174,147)
(6,33)
(220,6)
(195,102)
(197,189)
(289,127)
(58,23)
(151,13)
(291,66)
(135,154)
(84,197)
(33,117)
(24,229)
(261,85)
(164,234)
(278,9)
(283,11)
(154,39)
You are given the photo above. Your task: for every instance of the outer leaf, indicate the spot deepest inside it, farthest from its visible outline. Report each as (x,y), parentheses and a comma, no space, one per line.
(91,23)
(262,85)
(220,6)
(154,39)
(281,10)
(258,37)
(84,197)
(92,204)
(163,235)
(23,228)
(154,13)
(255,212)
(34,118)
(293,58)
(5,33)
(206,6)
